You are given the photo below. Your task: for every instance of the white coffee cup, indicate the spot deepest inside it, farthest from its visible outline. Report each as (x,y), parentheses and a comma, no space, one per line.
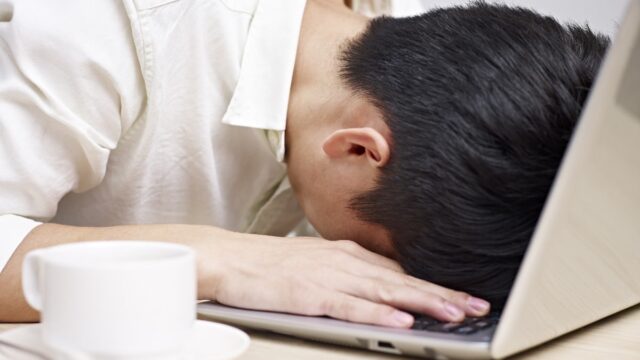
(113,299)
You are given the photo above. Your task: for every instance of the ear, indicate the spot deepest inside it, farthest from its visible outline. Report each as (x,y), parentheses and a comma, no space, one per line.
(358,142)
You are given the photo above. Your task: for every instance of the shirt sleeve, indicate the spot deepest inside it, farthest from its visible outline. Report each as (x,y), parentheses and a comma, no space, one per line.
(14,229)
(70,86)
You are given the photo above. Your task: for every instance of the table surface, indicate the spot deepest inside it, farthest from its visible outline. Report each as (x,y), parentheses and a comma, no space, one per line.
(617,337)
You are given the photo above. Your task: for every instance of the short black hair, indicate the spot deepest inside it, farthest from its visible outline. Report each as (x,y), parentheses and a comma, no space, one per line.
(481,101)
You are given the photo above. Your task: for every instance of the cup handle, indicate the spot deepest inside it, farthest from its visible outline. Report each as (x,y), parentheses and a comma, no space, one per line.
(32,279)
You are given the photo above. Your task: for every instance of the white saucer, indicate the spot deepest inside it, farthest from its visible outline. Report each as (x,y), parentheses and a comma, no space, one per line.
(211,341)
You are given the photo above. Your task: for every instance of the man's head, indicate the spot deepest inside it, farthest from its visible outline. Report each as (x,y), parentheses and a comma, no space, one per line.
(458,122)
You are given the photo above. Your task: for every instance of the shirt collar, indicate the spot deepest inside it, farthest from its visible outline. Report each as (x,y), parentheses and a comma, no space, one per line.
(261,96)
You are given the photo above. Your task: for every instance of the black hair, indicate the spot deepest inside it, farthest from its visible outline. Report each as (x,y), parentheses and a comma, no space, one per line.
(481,101)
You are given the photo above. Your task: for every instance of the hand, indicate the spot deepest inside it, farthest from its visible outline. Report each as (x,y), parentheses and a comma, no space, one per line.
(318,277)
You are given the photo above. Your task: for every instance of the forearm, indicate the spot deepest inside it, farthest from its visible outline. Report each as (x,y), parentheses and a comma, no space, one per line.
(203,239)
(307,276)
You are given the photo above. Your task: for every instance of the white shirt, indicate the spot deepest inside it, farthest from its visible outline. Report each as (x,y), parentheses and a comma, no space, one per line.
(145,111)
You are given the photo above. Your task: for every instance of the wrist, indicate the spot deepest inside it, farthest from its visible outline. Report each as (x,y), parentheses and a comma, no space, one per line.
(216,252)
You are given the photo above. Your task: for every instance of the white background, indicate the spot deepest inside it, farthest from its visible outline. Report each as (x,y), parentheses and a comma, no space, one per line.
(601,15)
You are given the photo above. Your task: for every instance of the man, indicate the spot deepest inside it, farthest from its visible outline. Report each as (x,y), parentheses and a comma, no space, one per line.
(430,140)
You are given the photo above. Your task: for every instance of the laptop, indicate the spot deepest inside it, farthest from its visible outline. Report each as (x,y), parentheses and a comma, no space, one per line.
(582,264)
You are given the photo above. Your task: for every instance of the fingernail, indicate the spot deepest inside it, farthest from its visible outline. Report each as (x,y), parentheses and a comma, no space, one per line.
(402,318)
(454,312)
(478,305)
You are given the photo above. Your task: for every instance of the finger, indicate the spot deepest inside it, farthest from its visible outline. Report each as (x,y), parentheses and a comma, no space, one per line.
(403,297)
(360,252)
(354,309)
(470,305)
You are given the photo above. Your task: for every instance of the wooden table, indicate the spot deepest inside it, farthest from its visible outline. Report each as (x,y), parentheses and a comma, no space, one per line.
(617,337)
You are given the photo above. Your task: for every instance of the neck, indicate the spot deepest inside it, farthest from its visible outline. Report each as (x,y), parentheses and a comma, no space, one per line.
(316,88)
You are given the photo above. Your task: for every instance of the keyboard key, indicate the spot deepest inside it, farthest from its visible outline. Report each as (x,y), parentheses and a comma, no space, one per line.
(465,330)
(481,324)
(422,323)
(445,327)
(469,325)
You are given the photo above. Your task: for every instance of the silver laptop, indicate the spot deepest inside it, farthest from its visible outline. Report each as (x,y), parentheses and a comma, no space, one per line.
(583,262)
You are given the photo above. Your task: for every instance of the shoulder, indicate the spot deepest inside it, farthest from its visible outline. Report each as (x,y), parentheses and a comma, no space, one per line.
(68,28)
(71,47)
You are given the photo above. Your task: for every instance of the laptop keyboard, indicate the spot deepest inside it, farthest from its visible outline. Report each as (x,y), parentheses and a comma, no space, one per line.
(469,326)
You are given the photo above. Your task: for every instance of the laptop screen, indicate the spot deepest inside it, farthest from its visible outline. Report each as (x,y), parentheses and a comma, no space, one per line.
(629,94)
